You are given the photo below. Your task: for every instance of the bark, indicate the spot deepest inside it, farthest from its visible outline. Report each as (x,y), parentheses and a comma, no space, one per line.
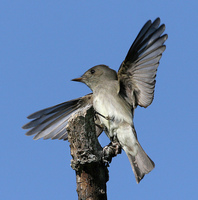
(87,153)
(89,159)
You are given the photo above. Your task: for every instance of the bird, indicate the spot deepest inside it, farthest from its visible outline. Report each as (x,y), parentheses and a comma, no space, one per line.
(114,97)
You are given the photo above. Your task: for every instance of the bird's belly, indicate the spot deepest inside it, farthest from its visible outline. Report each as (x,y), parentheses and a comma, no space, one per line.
(112,112)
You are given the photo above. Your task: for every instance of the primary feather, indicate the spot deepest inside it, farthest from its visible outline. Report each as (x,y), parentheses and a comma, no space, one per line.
(138,71)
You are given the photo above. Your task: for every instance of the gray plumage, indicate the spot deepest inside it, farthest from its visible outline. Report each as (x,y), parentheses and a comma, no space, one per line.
(51,122)
(115,97)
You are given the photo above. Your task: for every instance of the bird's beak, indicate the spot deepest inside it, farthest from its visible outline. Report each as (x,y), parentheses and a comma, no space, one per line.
(78,79)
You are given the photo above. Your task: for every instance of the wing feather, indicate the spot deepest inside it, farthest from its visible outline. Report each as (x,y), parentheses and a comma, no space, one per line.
(137,72)
(51,122)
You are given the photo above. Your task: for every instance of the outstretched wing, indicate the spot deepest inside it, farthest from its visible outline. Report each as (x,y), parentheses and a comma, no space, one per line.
(138,71)
(51,122)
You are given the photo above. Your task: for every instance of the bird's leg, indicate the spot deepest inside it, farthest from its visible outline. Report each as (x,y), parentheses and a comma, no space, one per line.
(101,115)
(97,121)
(105,117)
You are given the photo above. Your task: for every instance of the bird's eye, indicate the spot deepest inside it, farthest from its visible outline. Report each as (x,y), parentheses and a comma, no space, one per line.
(92,71)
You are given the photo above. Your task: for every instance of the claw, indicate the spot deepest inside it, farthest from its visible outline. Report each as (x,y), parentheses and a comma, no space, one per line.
(110,151)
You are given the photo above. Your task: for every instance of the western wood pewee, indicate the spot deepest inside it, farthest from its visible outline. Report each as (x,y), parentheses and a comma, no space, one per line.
(114,98)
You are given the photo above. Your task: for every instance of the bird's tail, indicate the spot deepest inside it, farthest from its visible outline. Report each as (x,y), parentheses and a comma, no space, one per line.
(141,163)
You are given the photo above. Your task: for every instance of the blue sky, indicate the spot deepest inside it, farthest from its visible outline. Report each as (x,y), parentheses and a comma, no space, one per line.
(44,44)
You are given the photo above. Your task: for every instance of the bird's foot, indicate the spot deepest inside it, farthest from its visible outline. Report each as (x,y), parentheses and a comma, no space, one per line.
(110,151)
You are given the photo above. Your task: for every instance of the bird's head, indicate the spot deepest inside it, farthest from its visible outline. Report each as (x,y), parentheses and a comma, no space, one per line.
(99,74)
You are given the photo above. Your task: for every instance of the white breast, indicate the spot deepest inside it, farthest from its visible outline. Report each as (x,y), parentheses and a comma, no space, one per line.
(113,107)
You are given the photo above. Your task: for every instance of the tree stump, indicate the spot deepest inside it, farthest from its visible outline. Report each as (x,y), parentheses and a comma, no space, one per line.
(87,154)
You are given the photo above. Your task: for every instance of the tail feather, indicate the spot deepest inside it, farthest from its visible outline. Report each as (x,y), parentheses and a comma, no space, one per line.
(141,163)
